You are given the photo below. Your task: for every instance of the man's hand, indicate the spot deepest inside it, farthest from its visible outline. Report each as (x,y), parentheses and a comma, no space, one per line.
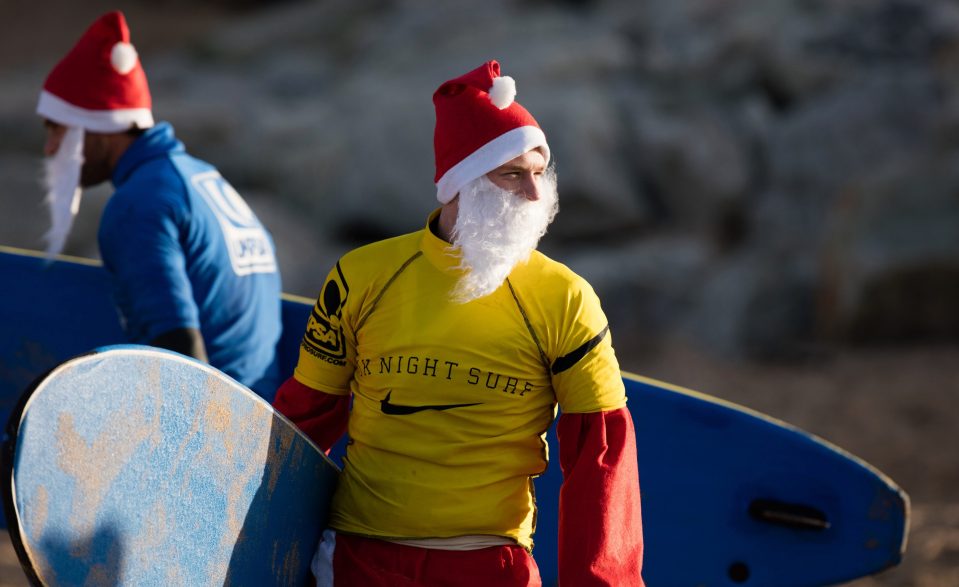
(186,341)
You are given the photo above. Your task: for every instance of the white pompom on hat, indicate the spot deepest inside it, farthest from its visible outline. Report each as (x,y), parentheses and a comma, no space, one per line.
(503,91)
(123,57)
(100,85)
(479,126)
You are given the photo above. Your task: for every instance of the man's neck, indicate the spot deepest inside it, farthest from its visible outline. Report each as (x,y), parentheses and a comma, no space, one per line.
(118,146)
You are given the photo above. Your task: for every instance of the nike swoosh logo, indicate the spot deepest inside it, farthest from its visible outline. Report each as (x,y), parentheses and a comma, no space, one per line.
(399,410)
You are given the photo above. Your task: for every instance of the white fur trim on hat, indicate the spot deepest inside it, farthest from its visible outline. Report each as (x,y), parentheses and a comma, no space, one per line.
(500,150)
(61,111)
(503,91)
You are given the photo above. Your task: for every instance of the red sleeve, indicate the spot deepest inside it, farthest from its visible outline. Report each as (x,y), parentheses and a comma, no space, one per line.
(321,416)
(600,524)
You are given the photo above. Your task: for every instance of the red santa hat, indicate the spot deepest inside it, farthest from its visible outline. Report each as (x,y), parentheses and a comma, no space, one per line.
(479,127)
(100,85)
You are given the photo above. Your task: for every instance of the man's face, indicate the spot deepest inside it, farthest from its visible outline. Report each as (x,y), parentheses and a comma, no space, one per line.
(522,175)
(96,160)
(500,218)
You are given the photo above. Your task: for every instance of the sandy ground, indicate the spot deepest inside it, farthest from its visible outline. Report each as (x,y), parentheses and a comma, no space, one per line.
(894,407)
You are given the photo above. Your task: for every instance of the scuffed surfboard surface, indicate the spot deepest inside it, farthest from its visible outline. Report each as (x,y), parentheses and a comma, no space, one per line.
(135,466)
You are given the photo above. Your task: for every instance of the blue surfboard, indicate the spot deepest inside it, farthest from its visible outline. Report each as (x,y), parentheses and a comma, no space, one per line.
(730,496)
(54,310)
(138,466)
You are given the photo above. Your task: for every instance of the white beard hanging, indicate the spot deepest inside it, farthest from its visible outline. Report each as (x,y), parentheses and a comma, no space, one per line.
(495,230)
(61,179)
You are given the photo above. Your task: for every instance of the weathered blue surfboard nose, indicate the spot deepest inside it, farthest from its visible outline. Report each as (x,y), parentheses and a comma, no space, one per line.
(137,466)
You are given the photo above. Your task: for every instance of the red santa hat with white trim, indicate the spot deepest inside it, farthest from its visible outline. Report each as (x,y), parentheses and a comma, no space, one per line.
(99,85)
(479,126)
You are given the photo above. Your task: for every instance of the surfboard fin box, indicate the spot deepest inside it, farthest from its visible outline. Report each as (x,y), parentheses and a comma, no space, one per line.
(791,515)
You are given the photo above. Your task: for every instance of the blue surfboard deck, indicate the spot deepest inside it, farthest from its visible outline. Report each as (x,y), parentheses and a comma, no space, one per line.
(54,310)
(138,466)
(733,497)
(730,496)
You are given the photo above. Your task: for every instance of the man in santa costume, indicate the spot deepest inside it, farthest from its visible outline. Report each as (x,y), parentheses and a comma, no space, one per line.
(193,269)
(455,344)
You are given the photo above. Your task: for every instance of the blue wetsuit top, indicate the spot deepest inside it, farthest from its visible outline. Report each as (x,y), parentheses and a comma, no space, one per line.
(185,251)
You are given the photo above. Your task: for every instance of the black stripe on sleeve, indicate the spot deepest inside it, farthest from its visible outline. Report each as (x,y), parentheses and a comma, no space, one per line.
(566,361)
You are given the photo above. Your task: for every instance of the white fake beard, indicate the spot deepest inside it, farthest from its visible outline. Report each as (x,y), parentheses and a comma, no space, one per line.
(61,180)
(495,230)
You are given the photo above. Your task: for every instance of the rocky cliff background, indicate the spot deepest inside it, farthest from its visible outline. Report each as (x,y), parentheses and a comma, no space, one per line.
(765,193)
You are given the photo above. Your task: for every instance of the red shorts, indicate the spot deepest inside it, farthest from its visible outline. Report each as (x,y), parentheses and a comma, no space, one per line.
(343,561)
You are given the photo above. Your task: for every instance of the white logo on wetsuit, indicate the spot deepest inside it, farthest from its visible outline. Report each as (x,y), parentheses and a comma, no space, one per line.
(249,246)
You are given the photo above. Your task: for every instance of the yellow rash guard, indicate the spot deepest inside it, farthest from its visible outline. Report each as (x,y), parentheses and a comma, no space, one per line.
(451,402)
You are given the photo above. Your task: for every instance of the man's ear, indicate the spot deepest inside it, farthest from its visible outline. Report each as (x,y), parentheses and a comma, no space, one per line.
(447,219)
